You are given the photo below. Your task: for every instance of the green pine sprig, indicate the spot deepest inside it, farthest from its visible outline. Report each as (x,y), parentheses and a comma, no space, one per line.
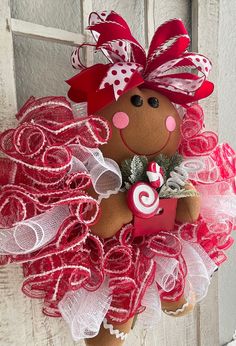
(134,169)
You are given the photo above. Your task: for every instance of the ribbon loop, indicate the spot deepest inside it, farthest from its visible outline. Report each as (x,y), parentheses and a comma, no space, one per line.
(167,68)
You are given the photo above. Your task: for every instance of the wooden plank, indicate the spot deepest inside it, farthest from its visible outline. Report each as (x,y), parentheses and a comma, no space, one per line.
(170,331)
(205,27)
(165,10)
(7,80)
(41,32)
(208,317)
(31,327)
(133,11)
(157,12)
(149,21)
(12,309)
(205,20)
(22,321)
(87,8)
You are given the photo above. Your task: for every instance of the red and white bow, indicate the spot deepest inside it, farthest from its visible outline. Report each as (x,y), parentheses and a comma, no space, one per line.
(168,67)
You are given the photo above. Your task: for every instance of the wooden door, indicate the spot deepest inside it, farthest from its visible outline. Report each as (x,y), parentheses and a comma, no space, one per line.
(21,320)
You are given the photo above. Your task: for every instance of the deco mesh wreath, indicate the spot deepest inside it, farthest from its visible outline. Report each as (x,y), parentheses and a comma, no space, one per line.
(124,206)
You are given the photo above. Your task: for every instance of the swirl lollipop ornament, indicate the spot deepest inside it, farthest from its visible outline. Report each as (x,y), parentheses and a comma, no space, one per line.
(143,200)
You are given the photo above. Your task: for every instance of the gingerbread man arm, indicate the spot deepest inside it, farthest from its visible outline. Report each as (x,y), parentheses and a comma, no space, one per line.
(188,208)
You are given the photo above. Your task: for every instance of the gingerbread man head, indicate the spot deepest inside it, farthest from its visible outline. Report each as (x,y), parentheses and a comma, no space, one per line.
(136,91)
(143,122)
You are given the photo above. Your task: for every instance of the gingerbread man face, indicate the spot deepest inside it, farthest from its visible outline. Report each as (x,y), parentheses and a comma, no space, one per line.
(143,122)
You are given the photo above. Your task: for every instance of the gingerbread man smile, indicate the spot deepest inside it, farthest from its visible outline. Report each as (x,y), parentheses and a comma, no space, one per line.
(121,121)
(138,153)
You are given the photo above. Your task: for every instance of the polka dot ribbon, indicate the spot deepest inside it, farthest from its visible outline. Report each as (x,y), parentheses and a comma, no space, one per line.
(167,67)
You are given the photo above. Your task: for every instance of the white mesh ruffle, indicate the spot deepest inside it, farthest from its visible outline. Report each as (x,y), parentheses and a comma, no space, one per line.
(200,269)
(166,272)
(30,235)
(105,173)
(152,313)
(85,311)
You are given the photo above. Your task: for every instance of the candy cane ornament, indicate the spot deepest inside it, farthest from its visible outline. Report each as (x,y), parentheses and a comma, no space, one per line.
(155,174)
(143,200)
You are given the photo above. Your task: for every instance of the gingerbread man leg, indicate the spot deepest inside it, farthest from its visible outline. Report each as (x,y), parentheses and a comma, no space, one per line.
(179,308)
(111,334)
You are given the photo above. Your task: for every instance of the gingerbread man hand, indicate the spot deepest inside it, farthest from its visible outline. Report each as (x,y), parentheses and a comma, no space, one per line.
(188,208)
(114,214)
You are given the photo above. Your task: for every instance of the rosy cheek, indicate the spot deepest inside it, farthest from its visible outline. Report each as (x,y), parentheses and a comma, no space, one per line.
(170,123)
(120,120)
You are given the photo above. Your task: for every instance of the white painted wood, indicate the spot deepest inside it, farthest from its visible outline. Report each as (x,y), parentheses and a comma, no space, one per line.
(171,331)
(87,8)
(205,32)
(22,322)
(133,11)
(227,126)
(232,343)
(165,10)
(7,81)
(149,22)
(205,21)
(227,71)
(41,32)
(11,308)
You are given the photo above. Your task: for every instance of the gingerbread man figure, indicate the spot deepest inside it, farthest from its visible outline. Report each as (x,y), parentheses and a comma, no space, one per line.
(135,94)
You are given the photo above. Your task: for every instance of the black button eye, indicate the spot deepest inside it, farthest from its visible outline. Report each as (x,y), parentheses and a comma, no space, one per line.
(136,100)
(153,102)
